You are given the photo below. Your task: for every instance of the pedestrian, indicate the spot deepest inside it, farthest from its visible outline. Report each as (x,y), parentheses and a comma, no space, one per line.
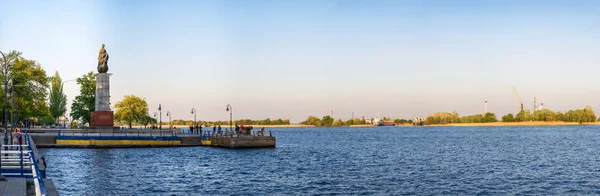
(19,136)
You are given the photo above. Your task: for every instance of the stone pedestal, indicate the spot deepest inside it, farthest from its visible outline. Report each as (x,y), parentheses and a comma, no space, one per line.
(102,119)
(103,92)
(102,116)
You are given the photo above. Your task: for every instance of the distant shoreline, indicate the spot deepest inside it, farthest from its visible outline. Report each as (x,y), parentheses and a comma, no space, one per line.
(491,124)
(227,126)
(502,124)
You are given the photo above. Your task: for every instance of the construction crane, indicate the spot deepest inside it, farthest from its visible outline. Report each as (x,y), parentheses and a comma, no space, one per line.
(541,106)
(536,106)
(519,102)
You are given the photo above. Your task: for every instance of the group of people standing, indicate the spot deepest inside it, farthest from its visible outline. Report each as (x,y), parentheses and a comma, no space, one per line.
(198,129)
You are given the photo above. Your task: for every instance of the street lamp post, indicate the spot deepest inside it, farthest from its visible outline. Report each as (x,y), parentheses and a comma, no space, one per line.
(169,115)
(160,117)
(194,113)
(230,110)
(195,125)
(65,122)
(5,117)
(5,83)
(155,115)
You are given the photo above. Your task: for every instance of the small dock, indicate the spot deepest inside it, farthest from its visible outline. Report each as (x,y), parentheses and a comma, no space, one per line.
(23,169)
(243,139)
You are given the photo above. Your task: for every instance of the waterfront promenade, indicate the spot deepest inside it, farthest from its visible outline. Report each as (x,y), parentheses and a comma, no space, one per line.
(123,138)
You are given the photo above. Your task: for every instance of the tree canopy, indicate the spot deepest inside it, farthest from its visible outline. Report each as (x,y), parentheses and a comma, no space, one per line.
(85,103)
(580,115)
(132,109)
(58,99)
(28,86)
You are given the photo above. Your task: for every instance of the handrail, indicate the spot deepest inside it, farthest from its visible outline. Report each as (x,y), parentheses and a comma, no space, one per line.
(40,186)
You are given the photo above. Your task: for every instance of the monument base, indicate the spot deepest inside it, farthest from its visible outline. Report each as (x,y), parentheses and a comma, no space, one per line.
(102,119)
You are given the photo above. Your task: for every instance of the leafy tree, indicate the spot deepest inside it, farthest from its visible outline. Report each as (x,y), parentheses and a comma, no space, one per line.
(523,115)
(443,118)
(327,121)
(47,119)
(477,118)
(349,122)
(131,109)
(338,123)
(147,120)
(405,121)
(28,87)
(311,120)
(85,102)
(58,99)
(543,115)
(489,117)
(508,118)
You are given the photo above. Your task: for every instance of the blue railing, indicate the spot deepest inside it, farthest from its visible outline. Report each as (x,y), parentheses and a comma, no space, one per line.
(40,186)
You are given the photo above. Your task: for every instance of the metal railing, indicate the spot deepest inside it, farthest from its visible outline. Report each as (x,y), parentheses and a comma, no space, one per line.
(208,134)
(38,181)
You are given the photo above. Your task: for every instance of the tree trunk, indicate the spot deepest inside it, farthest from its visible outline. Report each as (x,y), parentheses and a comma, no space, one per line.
(129,125)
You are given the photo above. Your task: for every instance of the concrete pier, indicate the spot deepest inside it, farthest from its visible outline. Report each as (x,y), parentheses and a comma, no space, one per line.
(143,138)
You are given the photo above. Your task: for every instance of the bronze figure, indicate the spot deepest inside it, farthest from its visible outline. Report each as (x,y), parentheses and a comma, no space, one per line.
(102,60)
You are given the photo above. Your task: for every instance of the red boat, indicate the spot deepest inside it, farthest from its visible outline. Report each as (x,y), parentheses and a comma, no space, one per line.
(386,124)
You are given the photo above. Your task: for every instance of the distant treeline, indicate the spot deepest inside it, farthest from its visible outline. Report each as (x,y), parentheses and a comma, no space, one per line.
(580,115)
(446,118)
(328,121)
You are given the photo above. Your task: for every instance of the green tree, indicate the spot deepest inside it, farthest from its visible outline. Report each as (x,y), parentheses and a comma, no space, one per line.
(47,119)
(443,118)
(28,85)
(544,115)
(338,123)
(523,115)
(147,120)
(508,118)
(85,103)
(349,122)
(327,121)
(131,109)
(311,120)
(58,99)
(489,117)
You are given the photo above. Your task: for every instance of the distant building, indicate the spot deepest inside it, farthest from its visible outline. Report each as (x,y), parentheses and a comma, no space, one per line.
(373,120)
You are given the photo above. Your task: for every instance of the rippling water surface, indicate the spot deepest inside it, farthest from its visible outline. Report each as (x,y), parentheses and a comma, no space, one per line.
(348,161)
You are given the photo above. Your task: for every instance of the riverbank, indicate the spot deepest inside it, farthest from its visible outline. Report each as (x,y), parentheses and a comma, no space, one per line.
(528,123)
(227,126)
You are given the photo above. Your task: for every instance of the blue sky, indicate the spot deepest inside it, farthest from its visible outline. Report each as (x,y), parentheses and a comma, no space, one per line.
(291,59)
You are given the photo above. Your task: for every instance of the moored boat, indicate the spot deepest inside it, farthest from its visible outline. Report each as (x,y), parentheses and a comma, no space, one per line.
(386,124)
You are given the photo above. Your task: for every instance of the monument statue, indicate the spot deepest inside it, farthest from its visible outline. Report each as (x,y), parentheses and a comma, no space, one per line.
(102,60)
(102,117)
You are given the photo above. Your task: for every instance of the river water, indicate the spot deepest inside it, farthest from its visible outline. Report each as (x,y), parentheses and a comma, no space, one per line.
(348,161)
